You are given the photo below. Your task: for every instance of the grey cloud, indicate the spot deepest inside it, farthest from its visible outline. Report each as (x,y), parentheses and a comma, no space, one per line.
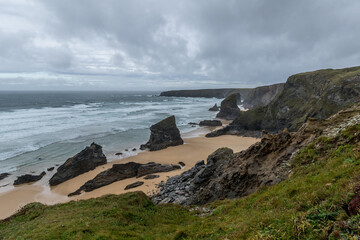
(159,43)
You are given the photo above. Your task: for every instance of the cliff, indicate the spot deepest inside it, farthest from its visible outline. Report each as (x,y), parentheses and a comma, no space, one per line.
(317,94)
(207,93)
(262,96)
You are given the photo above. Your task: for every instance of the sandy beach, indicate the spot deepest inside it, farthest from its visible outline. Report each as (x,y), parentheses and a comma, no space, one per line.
(193,150)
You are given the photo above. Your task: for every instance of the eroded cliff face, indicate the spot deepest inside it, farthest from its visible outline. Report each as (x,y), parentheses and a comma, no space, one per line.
(268,162)
(261,96)
(316,94)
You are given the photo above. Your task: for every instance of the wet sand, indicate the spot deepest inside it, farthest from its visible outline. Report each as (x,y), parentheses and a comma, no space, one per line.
(194,149)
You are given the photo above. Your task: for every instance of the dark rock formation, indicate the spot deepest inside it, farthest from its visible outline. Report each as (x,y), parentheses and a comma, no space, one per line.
(207,93)
(210,123)
(142,147)
(215,108)
(87,160)
(164,134)
(177,188)
(261,96)
(182,164)
(119,153)
(50,169)
(134,149)
(28,178)
(316,95)
(192,123)
(151,176)
(4,175)
(134,185)
(229,109)
(122,171)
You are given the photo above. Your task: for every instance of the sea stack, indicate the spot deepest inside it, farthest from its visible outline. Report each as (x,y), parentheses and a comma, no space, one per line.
(87,160)
(215,108)
(164,134)
(229,109)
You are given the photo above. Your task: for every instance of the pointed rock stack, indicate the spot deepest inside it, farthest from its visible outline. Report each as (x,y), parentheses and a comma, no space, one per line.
(229,109)
(164,134)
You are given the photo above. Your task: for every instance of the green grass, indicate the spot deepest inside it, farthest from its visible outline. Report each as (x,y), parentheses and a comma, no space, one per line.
(309,205)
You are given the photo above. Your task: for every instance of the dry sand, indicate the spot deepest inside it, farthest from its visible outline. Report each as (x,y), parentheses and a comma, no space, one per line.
(194,149)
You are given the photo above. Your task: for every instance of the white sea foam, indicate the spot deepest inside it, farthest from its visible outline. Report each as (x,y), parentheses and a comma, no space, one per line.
(48,131)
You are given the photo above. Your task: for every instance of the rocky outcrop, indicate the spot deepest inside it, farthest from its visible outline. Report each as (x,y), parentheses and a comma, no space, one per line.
(229,175)
(134,185)
(4,175)
(210,123)
(268,162)
(316,95)
(164,134)
(122,171)
(87,160)
(261,96)
(177,188)
(28,178)
(229,109)
(215,108)
(207,93)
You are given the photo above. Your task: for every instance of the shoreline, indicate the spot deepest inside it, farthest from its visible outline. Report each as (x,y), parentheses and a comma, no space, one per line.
(193,150)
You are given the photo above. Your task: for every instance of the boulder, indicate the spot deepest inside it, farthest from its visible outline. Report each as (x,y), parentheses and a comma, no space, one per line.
(28,178)
(215,108)
(50,169)
(4,175)
(134,185)
(142,147)
(210,123)
(87,160)
(164,134)
(229,109)
(122,171)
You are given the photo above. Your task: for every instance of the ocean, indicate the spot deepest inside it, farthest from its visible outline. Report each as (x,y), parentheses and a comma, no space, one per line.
(42,129)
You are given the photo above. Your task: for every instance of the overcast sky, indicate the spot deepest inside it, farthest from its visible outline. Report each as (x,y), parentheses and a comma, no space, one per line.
(180,44)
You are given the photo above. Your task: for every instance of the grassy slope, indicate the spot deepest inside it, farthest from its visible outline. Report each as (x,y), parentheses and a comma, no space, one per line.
(305,206)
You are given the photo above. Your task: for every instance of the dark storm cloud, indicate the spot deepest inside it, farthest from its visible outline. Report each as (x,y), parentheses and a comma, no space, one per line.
(174,44)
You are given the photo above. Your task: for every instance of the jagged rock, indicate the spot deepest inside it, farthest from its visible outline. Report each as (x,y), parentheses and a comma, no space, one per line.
(87,160)
(134,149)
(210,123)
(134,185)
(164,134)
(50,169)
(142,147)
(151,176)
(4,175)
(122,171)
(215,108)
(229,109)
(168,192)
(28,178)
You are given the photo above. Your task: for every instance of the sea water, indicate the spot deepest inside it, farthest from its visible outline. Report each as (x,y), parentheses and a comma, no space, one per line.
(42,129)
